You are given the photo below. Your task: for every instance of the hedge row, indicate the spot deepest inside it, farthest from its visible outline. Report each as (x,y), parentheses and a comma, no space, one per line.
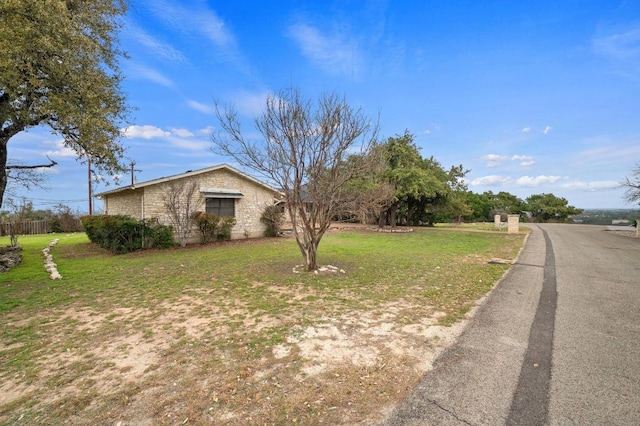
(123,234)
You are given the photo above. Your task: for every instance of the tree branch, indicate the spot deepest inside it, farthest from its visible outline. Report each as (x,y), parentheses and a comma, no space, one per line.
(37,166)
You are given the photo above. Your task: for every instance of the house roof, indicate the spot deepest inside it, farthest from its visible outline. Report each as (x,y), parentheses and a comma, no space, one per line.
(188,173)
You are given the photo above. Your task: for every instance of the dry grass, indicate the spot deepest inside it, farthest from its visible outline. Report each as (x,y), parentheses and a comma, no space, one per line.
(228,334)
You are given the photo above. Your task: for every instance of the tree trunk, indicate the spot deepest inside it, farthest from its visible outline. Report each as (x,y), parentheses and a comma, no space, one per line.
(311,257)
(3,167)
(392,215)
(307,239)
(383,217)
(308,246)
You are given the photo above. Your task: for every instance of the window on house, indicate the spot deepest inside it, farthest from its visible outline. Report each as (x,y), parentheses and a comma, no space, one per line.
(221,206)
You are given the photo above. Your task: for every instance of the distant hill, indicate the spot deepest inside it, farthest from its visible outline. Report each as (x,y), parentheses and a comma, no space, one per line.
(607,216)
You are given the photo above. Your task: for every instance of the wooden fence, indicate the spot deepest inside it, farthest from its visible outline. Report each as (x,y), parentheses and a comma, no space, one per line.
(32,227)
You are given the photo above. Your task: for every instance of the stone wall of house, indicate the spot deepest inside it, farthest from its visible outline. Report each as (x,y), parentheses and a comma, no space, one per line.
(125,203)
(248,208)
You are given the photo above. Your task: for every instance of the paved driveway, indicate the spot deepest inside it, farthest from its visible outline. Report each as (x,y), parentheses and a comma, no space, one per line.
(557,342)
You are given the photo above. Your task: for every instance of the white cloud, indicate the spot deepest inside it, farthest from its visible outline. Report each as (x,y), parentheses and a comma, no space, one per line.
(206,131)
(491,180)
(591,186)
(197,20)
(531,181)
(333,53)
(145,73)
(493,160)
(547,129)
(207,23)
(621,45)
(144,132)
(203,108)
(433,127)
(190,144)
(158,49)
(250,104)
(526,129)
(525,160)
(61,150)
(193,19)
(183,133)
(611,151)
(177,137)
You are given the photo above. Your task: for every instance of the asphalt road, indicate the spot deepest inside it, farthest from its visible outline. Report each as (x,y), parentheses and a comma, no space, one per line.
(557,342)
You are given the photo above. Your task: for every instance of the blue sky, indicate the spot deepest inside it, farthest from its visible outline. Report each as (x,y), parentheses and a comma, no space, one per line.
(532,97)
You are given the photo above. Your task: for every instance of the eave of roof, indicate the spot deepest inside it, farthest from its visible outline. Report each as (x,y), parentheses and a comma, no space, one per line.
(157,181)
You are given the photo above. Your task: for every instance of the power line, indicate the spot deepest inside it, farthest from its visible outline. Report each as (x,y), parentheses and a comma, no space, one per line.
(79,200)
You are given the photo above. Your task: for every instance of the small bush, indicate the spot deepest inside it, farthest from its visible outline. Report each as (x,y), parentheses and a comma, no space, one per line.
(224,228)
(272,217)
(212,227)
(207,225)
(123,234)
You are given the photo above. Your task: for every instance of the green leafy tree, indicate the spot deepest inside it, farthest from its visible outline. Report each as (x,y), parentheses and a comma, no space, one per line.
(59,68)
(454,206)
(432,202)
(478,205)
(549,208)
(405,173)
(503,203)
(422,187)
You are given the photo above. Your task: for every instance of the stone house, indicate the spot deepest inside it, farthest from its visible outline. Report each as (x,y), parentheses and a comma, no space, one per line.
(221,190)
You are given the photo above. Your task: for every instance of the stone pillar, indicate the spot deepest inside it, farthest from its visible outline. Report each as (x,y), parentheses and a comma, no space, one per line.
(496,221)
(513,224)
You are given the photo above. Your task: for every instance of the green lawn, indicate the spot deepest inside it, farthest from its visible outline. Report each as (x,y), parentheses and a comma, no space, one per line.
(217,332)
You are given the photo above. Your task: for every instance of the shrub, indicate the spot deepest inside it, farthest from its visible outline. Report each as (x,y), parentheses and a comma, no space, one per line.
(213,227)
(224,228)
(207,224)
(123,234)
(272,217)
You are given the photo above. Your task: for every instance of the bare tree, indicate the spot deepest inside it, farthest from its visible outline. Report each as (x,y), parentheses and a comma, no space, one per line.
(366,206)
(632,186)
(369,192)
(181,201)
(18,207)
(26,176)
(304,152)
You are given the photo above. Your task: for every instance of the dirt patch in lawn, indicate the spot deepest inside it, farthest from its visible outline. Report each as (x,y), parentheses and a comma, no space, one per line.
(168,365)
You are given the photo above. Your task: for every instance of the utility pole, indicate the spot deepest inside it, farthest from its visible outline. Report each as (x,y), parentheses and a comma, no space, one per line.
(133,170)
